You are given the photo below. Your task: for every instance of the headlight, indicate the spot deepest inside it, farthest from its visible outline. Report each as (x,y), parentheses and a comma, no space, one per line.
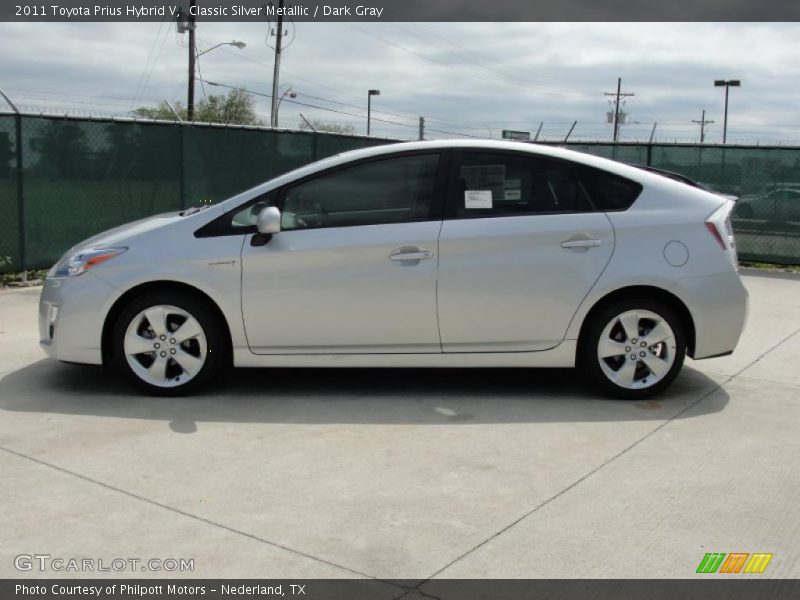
(75,264)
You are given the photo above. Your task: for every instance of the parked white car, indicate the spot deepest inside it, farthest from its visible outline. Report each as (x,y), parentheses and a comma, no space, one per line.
(776,203)
(423,254)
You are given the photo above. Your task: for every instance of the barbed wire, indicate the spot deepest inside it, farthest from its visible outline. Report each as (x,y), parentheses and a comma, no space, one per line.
(402,131)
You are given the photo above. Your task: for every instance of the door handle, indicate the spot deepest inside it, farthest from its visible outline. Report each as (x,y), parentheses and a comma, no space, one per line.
(403,254)
(591,243)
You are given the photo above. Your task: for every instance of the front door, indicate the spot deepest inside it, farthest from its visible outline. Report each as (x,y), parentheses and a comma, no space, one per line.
(354,268)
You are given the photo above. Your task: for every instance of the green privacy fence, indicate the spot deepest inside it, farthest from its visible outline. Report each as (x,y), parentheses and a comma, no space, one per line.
(81,176)
(766,180)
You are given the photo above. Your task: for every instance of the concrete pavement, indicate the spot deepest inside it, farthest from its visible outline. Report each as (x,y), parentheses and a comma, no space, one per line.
(406,473)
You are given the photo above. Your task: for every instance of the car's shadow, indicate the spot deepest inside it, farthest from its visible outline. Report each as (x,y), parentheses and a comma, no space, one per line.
(358,396)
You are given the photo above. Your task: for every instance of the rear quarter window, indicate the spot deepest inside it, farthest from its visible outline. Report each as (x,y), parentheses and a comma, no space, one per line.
(608,191)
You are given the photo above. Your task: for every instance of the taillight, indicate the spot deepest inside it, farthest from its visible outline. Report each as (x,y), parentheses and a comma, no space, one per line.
(712,229)
(719,226)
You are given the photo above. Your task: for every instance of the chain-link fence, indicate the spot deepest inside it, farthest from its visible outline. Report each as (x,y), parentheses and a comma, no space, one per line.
(63,179)
(765,179)
(82,176)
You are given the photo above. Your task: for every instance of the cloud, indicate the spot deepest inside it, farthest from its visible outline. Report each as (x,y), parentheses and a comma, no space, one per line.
(468,78)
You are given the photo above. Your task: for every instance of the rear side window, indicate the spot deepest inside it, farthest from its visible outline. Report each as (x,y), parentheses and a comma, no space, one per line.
(506,184)
(609,191)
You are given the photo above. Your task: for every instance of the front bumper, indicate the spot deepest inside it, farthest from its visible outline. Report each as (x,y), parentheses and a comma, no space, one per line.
(72,311)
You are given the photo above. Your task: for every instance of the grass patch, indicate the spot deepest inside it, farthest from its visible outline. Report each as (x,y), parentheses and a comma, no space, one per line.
(767,266)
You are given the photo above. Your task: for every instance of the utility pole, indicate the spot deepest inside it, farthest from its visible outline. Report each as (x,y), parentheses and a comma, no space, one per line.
(703,123)
(276,72)
(422,128)
(618,95)
(190,25)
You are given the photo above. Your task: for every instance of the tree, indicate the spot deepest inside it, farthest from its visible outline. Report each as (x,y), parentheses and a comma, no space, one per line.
(328,127)
(237,107)
(161,112)
(64,151)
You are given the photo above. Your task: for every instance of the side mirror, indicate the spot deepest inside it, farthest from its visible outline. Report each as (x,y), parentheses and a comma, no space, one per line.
(256,209)
(269,220)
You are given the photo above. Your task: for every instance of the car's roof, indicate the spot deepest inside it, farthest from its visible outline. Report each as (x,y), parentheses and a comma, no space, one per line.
(630,172)
(540,149)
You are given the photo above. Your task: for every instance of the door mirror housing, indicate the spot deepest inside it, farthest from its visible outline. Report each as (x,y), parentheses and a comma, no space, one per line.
(269,220)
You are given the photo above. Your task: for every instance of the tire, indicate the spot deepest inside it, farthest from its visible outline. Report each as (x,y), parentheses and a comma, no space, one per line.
(638,327)
(144,349)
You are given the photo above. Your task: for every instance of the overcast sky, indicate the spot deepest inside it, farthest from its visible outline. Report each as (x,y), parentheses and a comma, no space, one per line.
(465,78)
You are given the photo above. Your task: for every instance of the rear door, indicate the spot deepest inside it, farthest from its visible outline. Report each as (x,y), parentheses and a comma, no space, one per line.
(521,246)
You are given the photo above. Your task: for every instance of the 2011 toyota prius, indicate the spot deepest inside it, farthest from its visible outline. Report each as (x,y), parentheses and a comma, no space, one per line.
(423,254)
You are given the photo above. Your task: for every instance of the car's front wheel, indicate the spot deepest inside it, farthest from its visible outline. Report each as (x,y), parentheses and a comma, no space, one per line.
(169,343)
(634,348)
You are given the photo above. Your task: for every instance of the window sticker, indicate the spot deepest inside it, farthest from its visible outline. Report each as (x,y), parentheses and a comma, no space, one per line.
(478,199)
(513,195)
(485,177)
(512,184)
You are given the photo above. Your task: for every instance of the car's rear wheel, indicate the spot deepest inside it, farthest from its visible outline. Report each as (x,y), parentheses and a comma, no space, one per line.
(634,348)
(168,343)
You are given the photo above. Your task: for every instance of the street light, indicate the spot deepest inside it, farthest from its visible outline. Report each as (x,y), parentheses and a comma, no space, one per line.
(288,91)
(234,43)
(370,94)
(727,84)
(193,56)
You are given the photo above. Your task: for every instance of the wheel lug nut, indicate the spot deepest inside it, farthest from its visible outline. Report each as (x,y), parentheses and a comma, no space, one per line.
(643,344)
(156,345)
(163,353)
(642,354)
(633,341)
(172,351)
(162,337)
(627,348)
(172,341)
(633,357)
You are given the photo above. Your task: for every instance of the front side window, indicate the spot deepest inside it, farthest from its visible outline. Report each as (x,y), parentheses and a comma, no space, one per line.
(392,190)
(238,221)
(489,184)
(247,217)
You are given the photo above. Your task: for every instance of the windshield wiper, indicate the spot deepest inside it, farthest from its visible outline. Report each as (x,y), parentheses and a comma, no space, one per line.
(192,210)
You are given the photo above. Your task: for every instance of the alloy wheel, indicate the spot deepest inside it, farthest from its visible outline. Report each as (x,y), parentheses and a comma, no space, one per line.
(636,349)
(165,346)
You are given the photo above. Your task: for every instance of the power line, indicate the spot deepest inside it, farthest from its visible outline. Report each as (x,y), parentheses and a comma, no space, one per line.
(338,91)
(146,82)
(333,110)
(523,75)
(533,87)
(149,56)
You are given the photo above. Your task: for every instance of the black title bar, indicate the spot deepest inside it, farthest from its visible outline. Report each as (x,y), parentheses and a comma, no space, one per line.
(705,587)
(405,10)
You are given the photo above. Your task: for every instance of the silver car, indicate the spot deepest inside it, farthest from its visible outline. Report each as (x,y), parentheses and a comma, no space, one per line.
(423,254)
